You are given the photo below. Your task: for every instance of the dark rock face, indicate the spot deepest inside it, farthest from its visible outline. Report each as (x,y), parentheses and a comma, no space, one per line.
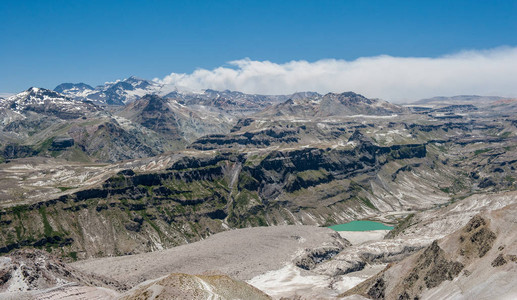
(276,168)
(456,108)
(310,260)
(157,116)
(432,268)
(440,269)
(378,289)
(429,268)
(61,143)
(258,139)
(49,241)
(477,238)
(499,261)
(18,151)
(154,113)
(487,182)
(389,257)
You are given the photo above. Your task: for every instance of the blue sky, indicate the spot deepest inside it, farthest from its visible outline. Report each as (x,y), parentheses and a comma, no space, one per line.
(44,43)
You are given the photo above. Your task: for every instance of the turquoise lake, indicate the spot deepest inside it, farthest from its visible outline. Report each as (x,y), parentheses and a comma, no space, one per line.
(361,226)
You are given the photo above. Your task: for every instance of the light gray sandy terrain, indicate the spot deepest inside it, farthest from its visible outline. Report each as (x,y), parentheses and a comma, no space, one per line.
(241,254)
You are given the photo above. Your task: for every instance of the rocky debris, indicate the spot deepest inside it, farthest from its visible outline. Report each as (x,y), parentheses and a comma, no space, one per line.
(185,286)
(477,239)
(433,267)
(356,257)
(377,290)
(312,257)
(259,250)
(30,270)
(470,257)
(499,261)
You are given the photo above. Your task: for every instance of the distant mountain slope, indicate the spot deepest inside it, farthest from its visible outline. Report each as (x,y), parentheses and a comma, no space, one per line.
(40,122)
(47,102)
(460,99)
(112,93)
(128,90)
(344,104)
(232,102)
(75,90)
(174,120)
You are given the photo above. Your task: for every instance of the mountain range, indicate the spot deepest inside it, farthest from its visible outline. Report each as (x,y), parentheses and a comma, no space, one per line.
(193,187)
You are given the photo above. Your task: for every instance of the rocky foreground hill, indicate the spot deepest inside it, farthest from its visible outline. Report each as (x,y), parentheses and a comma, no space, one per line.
(83,181)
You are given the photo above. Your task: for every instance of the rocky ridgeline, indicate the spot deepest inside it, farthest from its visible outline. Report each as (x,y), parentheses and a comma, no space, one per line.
(468,262)
(194,198)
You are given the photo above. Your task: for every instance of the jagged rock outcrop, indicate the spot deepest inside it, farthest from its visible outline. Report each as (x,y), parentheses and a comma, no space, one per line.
(185,286)
(468,264)
(31,270)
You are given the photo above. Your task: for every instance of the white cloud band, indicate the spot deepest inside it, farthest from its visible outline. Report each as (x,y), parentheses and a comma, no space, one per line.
(487,72)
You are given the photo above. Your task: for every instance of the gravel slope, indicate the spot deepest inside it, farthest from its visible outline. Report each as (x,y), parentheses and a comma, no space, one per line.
(241,254)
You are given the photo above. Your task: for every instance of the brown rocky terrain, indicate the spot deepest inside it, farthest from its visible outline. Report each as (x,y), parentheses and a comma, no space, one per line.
(478,261)
(184,286)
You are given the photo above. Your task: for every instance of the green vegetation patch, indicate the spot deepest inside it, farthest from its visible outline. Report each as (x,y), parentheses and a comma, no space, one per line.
(47,229)
(313,175)
(197,189)
(480,151)
(401,226)
(73,255)
(45,145)
(66,188)
(505,134)
(367,202)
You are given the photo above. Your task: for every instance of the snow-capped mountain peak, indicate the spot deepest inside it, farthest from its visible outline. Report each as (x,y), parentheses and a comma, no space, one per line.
(119,92)
(39,100)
